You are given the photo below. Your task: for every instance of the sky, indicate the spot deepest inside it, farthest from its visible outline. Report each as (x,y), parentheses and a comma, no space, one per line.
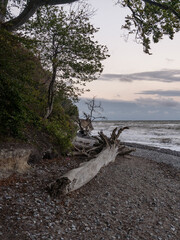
(134,85)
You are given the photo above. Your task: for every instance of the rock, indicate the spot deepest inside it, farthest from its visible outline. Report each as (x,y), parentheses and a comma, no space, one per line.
(73,227)
(35,156)
(50,154)
(13,160)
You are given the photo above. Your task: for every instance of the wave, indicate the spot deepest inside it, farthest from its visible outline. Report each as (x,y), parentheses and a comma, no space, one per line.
(161,134)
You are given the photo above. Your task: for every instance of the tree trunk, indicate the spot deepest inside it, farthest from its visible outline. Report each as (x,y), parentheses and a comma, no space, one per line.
(109,148)
(51,94)
(78,177)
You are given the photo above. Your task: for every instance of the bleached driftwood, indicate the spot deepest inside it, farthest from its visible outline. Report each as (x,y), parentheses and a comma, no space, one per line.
(86,143)
(107,149)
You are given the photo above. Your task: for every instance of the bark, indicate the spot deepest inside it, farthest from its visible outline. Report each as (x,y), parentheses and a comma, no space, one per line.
(28,12)
(51,93)
(107,149)
(78,177)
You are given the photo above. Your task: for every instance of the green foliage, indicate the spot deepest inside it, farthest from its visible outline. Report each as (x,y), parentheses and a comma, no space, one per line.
(150,20)
(19,93)
(13,112)
(62,99)
(66,45)
(56,45)
(61,130)
(23,96)
(61,124)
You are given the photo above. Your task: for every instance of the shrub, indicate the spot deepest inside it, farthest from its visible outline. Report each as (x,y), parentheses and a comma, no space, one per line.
(61,128)
(22,99)
(23,96)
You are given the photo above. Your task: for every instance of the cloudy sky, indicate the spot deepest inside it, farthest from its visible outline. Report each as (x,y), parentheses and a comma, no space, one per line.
(134,85)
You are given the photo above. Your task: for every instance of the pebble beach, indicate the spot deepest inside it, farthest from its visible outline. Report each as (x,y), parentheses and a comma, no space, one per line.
(136,197)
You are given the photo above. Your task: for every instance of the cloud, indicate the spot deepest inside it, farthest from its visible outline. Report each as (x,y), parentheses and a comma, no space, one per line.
(161,76)
(140,109)
(168,93)
(162,102)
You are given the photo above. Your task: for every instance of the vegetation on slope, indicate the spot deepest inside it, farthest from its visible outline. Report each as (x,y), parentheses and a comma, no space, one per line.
(23,96)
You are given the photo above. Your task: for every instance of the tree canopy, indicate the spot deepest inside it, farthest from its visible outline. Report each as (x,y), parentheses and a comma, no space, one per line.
(149,19)
(66,47)
(27,9)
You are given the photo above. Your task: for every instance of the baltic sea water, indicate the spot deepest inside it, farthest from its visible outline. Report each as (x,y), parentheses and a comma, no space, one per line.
(161,134)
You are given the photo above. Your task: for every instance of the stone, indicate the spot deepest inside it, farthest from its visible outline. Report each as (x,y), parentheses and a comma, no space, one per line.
(13,160)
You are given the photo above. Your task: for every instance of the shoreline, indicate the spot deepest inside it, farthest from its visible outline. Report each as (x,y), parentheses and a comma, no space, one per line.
(152,148)
(156,154)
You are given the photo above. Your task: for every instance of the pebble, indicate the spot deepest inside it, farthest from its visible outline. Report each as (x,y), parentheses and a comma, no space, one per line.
(173,228)
(73,227)
(125,209)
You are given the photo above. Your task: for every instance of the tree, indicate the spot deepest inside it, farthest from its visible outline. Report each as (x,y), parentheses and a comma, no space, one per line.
(152,19)
(95,112)
(66,48)
(149,17)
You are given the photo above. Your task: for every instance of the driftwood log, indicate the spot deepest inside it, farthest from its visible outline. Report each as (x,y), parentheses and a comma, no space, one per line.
(103,151)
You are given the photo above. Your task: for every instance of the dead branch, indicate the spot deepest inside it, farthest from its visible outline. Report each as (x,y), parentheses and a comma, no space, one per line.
(102,141)
(125,151)
(102,152)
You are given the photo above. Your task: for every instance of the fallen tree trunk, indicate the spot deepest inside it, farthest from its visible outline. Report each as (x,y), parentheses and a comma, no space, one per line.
(105,150)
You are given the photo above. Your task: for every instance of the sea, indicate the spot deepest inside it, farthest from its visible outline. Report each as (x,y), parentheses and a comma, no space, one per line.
(160,134)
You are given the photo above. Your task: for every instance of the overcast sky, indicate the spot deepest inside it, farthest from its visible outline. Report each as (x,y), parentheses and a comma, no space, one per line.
(134,85)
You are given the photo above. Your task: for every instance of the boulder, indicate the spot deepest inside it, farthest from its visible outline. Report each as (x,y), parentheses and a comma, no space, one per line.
(13,160)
